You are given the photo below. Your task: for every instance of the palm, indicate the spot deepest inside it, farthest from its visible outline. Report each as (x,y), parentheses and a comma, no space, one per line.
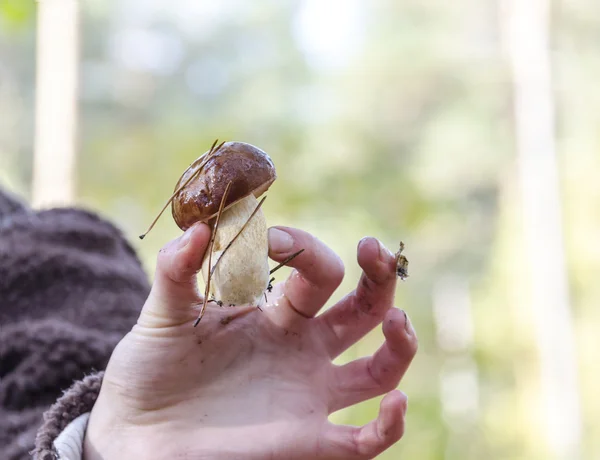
(233,351)
(250,383)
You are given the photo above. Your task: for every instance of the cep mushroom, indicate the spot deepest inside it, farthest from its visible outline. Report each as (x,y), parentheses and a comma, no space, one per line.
(230,177)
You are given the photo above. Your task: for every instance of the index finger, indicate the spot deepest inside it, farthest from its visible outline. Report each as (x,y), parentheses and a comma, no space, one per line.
(318,271)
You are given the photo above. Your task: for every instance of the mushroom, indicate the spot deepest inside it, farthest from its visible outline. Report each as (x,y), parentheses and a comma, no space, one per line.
(221,188)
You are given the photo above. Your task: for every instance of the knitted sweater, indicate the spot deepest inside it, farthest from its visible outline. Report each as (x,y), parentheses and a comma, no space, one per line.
(70,288)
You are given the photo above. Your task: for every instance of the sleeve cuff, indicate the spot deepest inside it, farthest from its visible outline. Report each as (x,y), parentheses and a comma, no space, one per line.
(69,443)
(66,421)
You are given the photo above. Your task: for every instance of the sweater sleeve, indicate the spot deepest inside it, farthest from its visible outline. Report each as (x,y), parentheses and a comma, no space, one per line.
(62,433)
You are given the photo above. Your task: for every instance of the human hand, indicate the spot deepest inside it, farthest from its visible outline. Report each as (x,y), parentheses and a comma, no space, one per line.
(252,384)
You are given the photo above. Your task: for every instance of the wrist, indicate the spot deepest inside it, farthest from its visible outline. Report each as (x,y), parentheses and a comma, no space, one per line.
(104,436)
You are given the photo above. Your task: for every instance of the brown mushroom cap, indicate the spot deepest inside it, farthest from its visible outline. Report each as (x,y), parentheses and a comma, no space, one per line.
(248,168)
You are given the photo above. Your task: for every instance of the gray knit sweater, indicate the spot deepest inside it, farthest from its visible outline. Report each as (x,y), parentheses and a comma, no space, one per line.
(70,288)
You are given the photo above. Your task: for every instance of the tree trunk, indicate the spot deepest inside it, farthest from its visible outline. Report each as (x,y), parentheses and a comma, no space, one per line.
(526,27)
(56,103)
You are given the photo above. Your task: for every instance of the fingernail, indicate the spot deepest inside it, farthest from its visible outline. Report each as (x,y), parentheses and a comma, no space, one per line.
(384,253)
(362,241)
(407,325)
(185,238)
(280,241)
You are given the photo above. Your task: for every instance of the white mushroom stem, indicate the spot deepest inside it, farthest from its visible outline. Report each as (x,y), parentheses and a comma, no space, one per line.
(242,277)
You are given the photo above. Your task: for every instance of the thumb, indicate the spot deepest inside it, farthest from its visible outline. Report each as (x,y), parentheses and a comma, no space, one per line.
(175,291)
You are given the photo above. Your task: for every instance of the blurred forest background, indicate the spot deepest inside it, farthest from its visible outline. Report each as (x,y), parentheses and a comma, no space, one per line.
(392,118)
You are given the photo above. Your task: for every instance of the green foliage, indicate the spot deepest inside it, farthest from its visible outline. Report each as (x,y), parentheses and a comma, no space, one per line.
(16,14)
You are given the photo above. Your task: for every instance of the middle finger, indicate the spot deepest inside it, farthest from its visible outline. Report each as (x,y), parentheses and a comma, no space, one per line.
(362,310)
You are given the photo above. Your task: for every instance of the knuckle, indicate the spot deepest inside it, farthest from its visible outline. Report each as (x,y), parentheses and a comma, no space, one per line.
(390,383)
(384,379)
(163,255)
(398,435)
(365,304)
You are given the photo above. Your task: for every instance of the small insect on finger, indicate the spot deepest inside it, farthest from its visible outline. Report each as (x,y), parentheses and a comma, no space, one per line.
(401,263)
